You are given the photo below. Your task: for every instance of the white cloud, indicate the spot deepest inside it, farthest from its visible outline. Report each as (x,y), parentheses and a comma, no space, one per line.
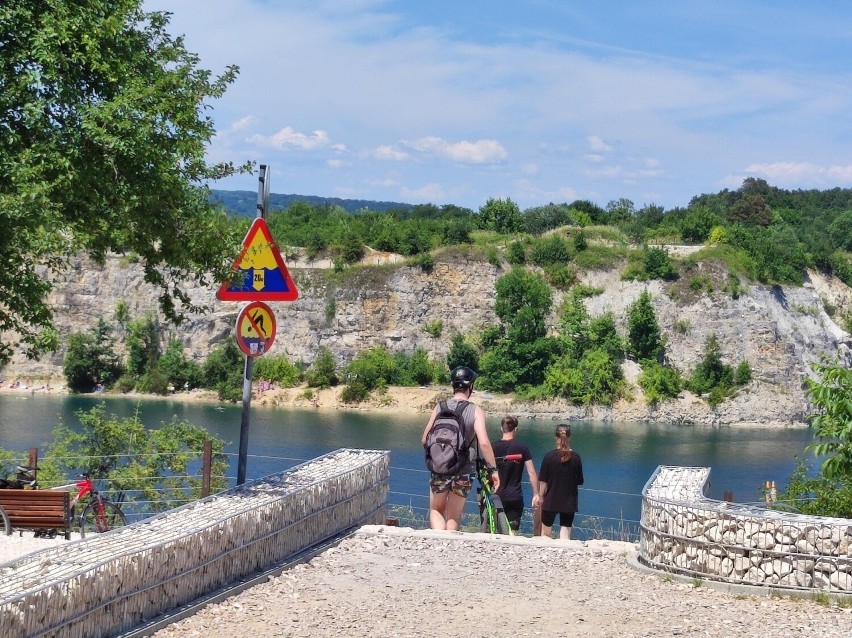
(593,157)
(288,137)
(336,163)
(597,144)
(801,172)
(386,152)
(464,152)
(529,168)
(427,193)
(243,123)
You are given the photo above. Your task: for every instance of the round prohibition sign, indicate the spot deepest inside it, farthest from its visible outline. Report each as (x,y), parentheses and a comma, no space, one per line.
(256,329)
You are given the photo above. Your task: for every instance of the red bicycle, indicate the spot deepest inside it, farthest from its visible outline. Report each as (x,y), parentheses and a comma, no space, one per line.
(99,515)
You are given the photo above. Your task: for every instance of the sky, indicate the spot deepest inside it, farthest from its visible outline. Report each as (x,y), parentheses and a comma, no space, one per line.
(455,102)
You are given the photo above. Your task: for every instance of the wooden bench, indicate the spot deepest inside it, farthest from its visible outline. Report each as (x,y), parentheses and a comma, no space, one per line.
(36,509)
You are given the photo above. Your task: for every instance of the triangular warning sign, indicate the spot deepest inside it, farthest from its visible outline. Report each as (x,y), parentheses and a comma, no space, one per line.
(259,273)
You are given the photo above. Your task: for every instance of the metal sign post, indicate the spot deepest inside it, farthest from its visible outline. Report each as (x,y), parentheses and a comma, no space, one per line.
(262,208)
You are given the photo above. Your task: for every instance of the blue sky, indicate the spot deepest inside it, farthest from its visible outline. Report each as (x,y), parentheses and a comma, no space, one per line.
(455,102)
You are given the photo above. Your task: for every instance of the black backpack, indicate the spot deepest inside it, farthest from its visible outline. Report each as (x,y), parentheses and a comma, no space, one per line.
(447,445)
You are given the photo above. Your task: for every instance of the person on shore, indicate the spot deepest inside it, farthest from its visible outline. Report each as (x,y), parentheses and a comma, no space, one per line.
(510,472)
(560,475)
(448,494)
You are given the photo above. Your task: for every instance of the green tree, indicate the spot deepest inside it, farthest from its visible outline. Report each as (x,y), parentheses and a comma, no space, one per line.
(643,331)
(658,264)
(157,469)
(224,370)
(177,368)
(712,373)
(323,372)
(502,216)
(105,123)
(143,344)
(90,359)
(659,382)
(462,353)
(831,396)
(277,369)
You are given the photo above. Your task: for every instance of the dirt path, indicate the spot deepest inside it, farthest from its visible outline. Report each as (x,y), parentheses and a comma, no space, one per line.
(392,582)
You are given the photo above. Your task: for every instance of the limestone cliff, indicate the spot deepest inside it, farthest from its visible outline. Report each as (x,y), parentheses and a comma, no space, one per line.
(781,331)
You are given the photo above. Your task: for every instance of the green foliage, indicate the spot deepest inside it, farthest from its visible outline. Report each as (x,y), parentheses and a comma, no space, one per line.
(714,377)
(417,369)
(552,249)
(434,328)
(818,495)
(90,359)
(585,368)
(122,313)
(277,369)
(224,370)
(650,263)
(424,261)
(157,469)
(657,264)
(840,231)
(516,253)
(180,371)
(330,309)
(502,216)
(352,248)
(540,219)
(462,353)
(595,378)
(659,382)
(580,241)
(560,276)
(105,119)
(323,372)
(517,352)
(643,331)
(742,373)
(831,396)
(523,302)
(143,344)
(369,370)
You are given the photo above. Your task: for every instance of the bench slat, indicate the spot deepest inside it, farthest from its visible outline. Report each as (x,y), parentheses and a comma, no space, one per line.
(37,509)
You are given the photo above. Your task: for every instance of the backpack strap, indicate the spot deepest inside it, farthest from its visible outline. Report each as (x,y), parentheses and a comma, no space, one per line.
(461,406)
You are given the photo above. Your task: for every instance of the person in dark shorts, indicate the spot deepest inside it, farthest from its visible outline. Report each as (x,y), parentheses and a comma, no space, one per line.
(448,495)
(560,475)
(511,472)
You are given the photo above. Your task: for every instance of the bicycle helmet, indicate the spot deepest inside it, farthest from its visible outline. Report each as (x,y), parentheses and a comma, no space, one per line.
(462,377)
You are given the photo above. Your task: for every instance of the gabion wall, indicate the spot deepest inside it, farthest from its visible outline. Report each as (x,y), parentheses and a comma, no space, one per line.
(105,585)
(683,531)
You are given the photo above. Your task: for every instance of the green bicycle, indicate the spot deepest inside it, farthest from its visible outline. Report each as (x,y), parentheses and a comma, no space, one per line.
(492,518)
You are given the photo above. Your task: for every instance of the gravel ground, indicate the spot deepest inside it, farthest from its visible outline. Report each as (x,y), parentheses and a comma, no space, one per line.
(398,582)
(386,581)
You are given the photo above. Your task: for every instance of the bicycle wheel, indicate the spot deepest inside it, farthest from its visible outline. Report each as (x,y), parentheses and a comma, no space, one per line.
(91,522)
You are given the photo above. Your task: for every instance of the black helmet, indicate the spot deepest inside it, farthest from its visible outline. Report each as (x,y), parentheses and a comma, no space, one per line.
(462,377)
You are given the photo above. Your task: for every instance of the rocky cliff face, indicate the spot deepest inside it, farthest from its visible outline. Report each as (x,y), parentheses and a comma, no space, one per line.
(781,331)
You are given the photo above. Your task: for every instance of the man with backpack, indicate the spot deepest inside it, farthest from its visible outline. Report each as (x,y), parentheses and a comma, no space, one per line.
(454,427)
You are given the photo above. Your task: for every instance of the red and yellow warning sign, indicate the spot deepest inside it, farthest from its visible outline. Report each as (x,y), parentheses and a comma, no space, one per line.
(256,329)
(259,273)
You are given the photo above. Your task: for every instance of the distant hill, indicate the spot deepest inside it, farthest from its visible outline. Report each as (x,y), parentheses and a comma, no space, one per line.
(245,202)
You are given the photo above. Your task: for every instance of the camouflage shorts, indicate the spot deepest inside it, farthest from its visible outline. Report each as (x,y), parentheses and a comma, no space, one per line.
(458,484)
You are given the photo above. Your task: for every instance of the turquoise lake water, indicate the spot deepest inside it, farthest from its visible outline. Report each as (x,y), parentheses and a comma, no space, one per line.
(618,459)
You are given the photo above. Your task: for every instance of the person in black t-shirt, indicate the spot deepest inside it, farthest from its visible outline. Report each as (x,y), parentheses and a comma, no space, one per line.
(510,472)
(560,476)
